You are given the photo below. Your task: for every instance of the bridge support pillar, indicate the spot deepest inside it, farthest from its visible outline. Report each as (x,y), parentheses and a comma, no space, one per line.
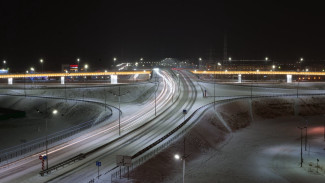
(113,79)
(10,81)
(289,78)
(62,80)
(239,78)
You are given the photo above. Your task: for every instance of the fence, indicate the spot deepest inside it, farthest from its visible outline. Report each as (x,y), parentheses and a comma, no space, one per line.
(10,154)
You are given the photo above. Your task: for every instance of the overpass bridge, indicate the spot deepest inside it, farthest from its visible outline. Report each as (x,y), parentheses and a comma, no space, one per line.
(113,75)
(289,74)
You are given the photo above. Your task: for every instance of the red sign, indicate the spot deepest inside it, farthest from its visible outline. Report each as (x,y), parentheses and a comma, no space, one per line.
(40,157)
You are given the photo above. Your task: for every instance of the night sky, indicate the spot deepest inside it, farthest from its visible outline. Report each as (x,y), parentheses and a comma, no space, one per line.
(96,31)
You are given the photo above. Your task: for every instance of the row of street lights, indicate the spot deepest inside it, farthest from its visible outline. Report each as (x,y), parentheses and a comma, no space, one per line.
(266,59)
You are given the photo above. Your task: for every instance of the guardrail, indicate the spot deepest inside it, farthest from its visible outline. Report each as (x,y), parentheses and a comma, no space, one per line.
(8,155)
(62,164)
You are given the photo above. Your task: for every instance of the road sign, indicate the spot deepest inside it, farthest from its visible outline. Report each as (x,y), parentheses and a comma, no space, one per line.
(44,157)
(184,111)
(127,160)
(98,163)
(40,157)
(123,160)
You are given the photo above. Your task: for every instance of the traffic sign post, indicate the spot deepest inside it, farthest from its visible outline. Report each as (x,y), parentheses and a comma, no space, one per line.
(42,159)
(98,164)
(184,112)
(123,161)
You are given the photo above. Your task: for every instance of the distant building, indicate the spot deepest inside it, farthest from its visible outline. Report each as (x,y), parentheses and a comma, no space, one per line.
(69,68)
(3,71)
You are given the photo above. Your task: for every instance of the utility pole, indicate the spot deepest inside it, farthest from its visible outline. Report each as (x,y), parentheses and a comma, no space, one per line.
(298,88)
(119,110)
(46,143)
(301,160)
(306,135)
(184,162)
(214,87)
(225,52)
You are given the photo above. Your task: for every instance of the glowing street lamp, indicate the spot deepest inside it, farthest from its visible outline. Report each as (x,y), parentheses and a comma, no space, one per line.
(55,111)
(229,58)
(32,69)
(301,59)
(41,61)
(266,58)
(178,157)
(86,67)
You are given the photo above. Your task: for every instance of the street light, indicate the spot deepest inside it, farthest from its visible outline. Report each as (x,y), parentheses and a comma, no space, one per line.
(54,112)
(41,61)
(301,59)
(229,58)
(86,67)
(32,69)
(178,157)
(301,160)
(266,58)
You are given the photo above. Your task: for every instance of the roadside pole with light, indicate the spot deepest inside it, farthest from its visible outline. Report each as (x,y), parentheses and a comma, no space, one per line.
(214,88)
(78,60)
(54,112)
(183,158)
(301,160)
(306,127)
(119,106)
(41,61)
(119,110)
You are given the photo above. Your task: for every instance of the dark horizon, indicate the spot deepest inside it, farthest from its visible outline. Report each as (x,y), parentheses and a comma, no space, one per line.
(60,32)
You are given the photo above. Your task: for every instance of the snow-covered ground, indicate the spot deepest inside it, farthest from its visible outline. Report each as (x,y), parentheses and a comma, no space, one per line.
(247,141)
(70,113)
(21,130)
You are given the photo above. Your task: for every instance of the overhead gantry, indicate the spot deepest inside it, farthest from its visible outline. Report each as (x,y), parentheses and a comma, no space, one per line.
(113,75)
(289,74)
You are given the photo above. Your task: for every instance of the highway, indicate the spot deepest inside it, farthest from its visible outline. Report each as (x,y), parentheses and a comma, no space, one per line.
(104,135)
(138,129)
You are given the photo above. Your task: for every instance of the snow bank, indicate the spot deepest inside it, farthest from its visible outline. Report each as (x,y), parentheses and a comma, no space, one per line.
(266,149)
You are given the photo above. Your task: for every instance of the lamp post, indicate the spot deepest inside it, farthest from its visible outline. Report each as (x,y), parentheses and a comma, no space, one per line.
(86,67)
(214,88)
(177,157)
(119,106)
(78,60)
(306,127)
(54,112)
(4,64)
(41,61)
(156,99)
(114,59)
(301,160)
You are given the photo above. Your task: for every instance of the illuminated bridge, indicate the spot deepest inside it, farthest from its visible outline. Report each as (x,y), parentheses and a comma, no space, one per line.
(73,74)
(240,73)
